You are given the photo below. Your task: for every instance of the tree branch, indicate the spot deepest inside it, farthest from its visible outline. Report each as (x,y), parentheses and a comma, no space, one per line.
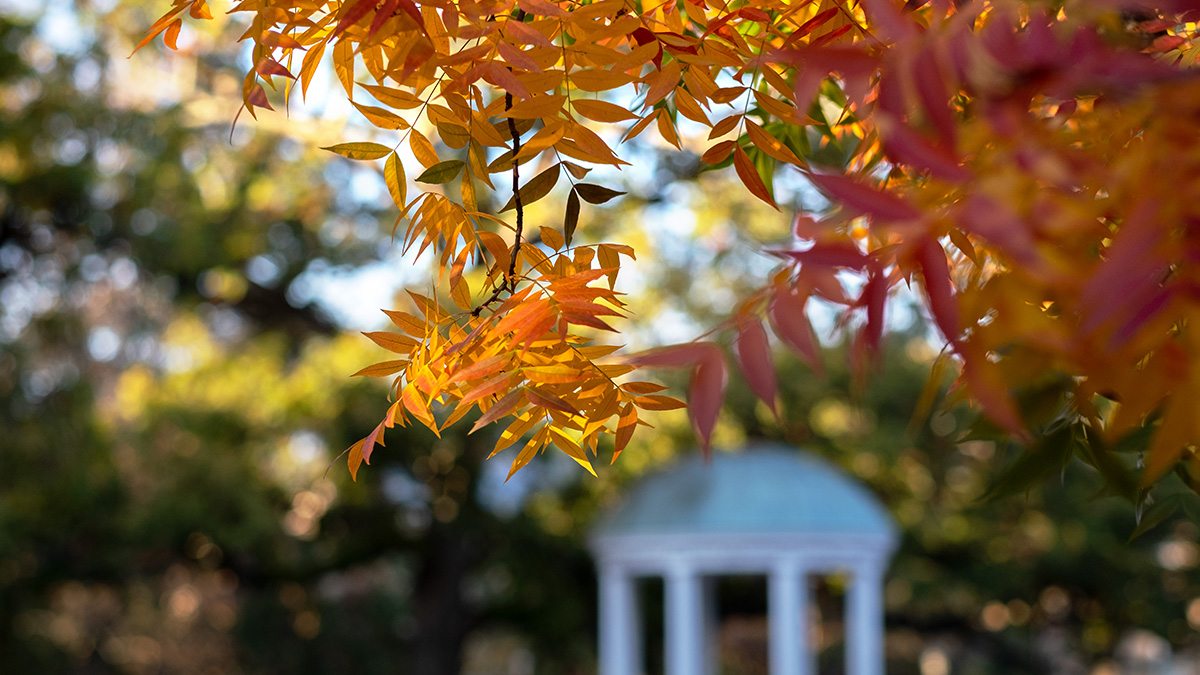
(510,279)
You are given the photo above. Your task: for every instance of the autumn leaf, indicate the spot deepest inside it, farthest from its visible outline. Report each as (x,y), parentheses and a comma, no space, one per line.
(442,172)
(754,356)
(360,150)
(595,194)
(749,176)
(865,199)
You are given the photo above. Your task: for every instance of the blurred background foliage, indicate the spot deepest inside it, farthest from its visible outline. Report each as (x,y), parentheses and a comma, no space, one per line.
(174,351)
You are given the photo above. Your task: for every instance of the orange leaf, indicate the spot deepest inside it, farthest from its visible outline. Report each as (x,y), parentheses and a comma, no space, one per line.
(392,342)
(749,176)
(382,369)
(658,402)
(626,424)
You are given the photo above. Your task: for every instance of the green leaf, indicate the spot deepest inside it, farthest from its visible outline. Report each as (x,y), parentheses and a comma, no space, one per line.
(1034,465)
(361,150)
(571,217)
(595,194)
(1155,515)
(442,172)
(1118,478)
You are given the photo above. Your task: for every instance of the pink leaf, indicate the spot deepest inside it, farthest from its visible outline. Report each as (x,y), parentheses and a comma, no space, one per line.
(754,354)
(875,203)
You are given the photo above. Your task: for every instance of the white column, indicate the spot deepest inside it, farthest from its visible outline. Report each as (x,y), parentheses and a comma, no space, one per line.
(712,625)
(787,610)
(864,622)
(620,623)
(684,622)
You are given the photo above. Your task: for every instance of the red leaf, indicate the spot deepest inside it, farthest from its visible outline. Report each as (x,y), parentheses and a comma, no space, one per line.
(811,25)
(674,356)
(499,409)
(370,441)
(885,18)
(386,9)
(790,322)
(754,354)
(806,227)
(351,16)
(269,66)
(257,98)
(831,255)
(875,203)
(414,13)
(706,394)
(939,288)
(934,93)
(873,297)
(906,146)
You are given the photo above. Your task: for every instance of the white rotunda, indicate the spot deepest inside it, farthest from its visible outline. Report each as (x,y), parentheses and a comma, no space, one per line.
(769,509)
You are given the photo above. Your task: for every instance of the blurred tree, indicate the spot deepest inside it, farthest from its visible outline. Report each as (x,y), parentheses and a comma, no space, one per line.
(172,391)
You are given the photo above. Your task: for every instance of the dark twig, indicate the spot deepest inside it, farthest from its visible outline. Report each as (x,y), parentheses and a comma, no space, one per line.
(510,280)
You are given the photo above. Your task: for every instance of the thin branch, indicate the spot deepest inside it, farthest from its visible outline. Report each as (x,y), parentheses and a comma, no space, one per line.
(510,280)
(516,186)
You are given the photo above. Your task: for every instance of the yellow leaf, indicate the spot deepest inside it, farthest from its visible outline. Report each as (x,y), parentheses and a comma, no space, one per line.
(422,149)
(601,111)
(397,184)
(384,119)
(360,150)
(383,368)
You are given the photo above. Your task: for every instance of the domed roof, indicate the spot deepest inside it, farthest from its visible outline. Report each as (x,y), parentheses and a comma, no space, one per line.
(763,489)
